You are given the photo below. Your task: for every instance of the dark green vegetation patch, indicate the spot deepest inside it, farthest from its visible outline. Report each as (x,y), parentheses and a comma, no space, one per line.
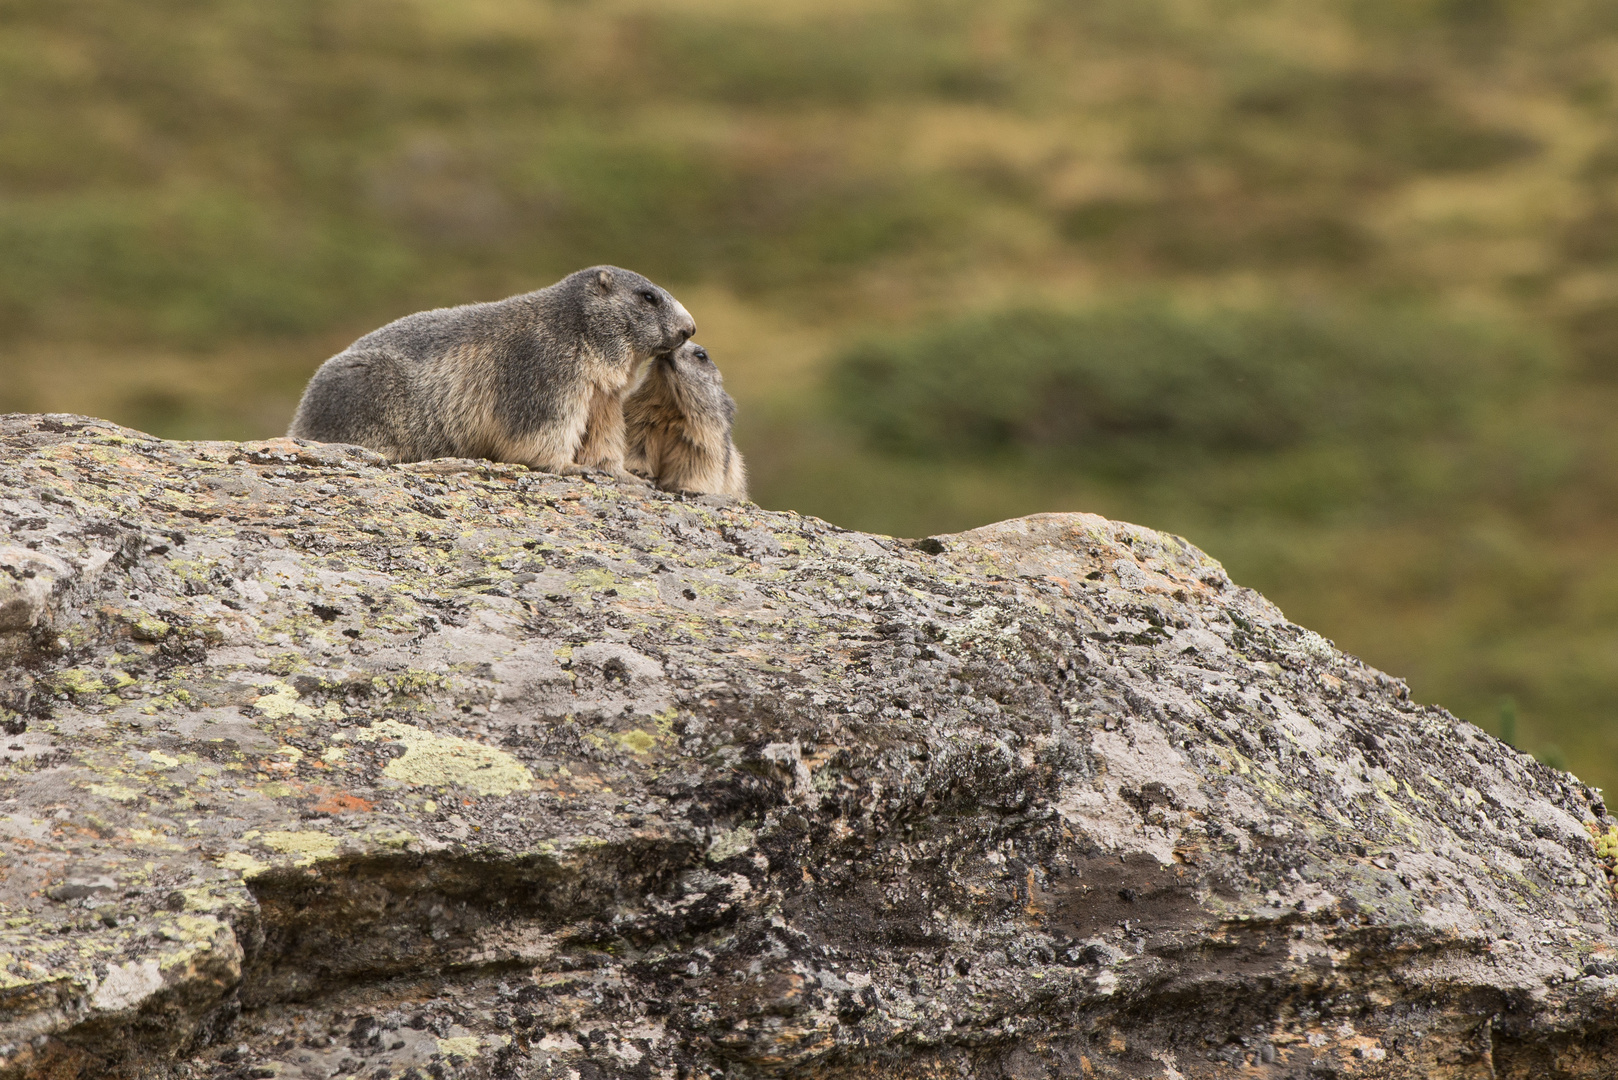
(1367,404)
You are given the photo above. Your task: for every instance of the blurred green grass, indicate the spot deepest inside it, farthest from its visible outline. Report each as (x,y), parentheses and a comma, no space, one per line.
(1329,287)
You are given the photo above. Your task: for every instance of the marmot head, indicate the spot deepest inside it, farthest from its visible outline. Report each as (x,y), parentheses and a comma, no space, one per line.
(687,380)
(633,309)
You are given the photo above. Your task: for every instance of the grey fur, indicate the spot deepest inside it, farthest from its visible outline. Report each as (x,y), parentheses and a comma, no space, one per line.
(537,379)
(679,422)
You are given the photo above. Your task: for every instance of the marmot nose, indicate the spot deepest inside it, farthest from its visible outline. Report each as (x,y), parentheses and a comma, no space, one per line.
(684,324)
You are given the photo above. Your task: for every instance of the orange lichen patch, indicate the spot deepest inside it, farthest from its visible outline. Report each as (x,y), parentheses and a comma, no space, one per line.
(1034,906)
(581,782)
(343,804)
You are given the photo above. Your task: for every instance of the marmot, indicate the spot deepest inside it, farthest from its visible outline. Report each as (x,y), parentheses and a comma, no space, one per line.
(537,379)
(679,419)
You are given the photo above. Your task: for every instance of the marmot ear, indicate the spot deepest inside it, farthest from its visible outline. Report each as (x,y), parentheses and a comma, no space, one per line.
(604,279)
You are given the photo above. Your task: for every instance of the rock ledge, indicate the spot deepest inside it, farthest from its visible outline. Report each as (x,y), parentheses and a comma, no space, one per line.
(317,766)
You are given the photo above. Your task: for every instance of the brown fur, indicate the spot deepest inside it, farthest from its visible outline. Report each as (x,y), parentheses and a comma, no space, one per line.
(679,422)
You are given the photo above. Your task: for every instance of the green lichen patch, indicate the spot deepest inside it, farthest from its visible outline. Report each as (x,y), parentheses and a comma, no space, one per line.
(1606,845)
(76,681)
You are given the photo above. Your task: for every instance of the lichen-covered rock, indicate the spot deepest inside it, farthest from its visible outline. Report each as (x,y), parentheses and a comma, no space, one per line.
(315,765)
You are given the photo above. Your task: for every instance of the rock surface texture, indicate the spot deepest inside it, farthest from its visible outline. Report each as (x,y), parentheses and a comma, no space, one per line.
(318,766)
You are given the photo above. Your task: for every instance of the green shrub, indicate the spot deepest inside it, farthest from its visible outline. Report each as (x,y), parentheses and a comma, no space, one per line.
(868,57)
(1125,384)
(188,271)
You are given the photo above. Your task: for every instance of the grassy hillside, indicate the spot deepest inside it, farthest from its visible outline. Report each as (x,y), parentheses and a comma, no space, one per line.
(1330,287)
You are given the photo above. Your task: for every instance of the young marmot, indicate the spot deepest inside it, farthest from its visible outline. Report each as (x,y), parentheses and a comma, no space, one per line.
(537,379)
(679,419)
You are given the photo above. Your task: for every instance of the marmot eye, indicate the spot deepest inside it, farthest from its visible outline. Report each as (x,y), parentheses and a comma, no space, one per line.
(700,354)
(650,297)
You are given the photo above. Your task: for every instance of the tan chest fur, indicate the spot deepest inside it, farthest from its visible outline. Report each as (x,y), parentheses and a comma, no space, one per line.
(675,450)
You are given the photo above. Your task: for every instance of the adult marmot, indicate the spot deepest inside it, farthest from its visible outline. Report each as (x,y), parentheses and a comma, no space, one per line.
(679,419)
(537,379)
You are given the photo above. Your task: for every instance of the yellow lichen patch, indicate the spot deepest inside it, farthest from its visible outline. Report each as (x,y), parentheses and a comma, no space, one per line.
(597,580)
(148,628)
(190,569)
(309,846)
(397,839)
(243,863)
(1606,845)
(465,1045)
(210,897)
(1385,790)
(115,792)
(198,932)
(407,687)
(441,761)
(637,741)
(8,979)
(281,701)
(78,681)
(164,702)
(728,845)
(198,927)
(288,662)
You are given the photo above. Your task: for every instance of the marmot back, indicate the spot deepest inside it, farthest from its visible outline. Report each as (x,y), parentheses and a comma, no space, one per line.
(679,422)
(537,379)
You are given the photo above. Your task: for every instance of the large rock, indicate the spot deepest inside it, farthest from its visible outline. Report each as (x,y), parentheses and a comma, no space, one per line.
(316,765)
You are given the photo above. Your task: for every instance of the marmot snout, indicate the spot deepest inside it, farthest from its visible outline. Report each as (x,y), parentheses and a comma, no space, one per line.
(679,421)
